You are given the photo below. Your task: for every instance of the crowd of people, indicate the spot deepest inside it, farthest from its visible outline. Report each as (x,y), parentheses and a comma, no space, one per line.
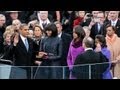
(62,38)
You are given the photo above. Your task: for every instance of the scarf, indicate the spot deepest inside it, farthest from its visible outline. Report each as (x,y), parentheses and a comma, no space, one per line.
(76,44)
(112,39)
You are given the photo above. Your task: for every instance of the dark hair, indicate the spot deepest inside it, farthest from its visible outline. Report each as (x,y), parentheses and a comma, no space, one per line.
(89,42)
(23,25)
(80,32)
(52,27)
(38,27)
(114,28)
(101,39)
(103,13)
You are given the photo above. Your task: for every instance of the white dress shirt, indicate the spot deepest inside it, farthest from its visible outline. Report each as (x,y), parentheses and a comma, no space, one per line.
(113,23)
(23,38)
(88,49)
(59,35)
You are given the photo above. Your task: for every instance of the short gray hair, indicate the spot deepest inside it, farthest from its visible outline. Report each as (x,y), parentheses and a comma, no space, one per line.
(22,26)
(1,15)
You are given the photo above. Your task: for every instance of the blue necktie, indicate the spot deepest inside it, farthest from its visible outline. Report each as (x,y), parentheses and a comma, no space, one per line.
(99,27)
(26,44)
(113,24)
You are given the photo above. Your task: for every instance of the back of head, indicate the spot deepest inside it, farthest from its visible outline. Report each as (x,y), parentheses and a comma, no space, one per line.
(16,21)
(88,42)
(101,39)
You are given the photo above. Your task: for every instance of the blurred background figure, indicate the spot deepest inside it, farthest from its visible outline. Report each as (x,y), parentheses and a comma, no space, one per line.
(88,18)
(37,36)
(107,16)
(10,28)
(79,18)
(67,21)
(16,25)
(43,19)
(30,34)
(10,16)
(32,24)
(2,30)
(66,39)
(99,26)
(114,21)
(87,31)
(8,54)
(54,16)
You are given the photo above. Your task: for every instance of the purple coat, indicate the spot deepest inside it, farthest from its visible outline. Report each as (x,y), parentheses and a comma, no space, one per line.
(107,74)
(72,54)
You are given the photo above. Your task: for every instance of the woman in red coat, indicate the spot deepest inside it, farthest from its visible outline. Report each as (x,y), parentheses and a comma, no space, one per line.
(80,17)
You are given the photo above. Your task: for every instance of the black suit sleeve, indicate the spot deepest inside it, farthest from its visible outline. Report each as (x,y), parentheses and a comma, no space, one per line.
(86,23)
(104,65)
(77,70)
(77,60)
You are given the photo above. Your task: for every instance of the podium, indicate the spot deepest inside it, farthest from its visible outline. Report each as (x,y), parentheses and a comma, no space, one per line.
(12,72)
